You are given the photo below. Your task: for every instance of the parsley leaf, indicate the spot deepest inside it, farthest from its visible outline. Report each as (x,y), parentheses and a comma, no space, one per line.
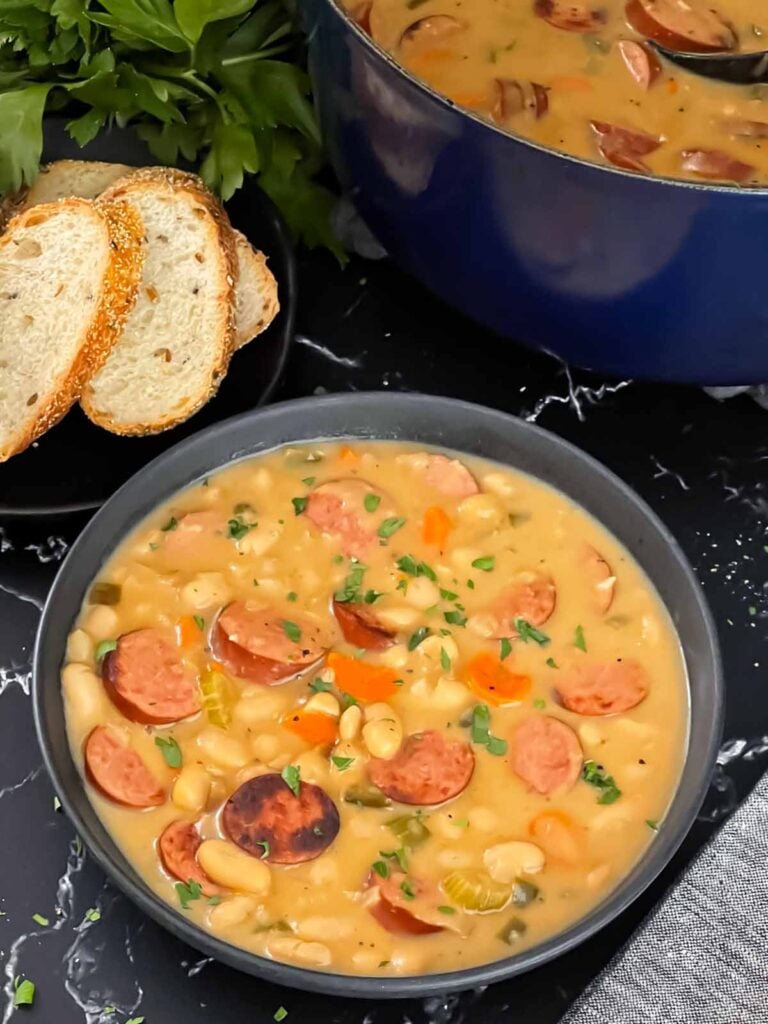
(445,661)
(652,824)
(170,750)
(104,648)
(342,763)
(505,649)
(24,993)
(172,524)
(455,618)
(480,726)
(292,631)
(199,622)
(552,663)
(445,909)
(187,892)
(264,844)
(320,686)
(291,776)
(407,890)
(237,528)
(390,526)
(349,592)
(299,505)
(578,639)
(381,868)
(280,1013)
(528,633)
(371,502)
(487,563)
(595,775)
(416,638)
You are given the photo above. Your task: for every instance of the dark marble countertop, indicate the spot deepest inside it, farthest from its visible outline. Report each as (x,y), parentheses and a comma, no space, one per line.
(701,464)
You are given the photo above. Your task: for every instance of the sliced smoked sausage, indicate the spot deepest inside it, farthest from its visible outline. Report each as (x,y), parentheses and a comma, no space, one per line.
(178,845)
(118,772)
(624,147)
(531,597)
(715,164)
(600,577)
(338,508)
(266,819)
(148,680)
(607,688)
(428,769)
(546,754)
(640,61)
(688,25)
(360,626)
(401,914)
(255,642)
(572,17)
(448,476)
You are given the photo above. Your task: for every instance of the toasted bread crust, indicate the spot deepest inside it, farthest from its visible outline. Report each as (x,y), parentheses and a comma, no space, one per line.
(269,286)
(118,291)
(174,180)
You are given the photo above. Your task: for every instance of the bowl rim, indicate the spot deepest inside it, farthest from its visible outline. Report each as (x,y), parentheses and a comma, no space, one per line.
(657,855)
(652,180)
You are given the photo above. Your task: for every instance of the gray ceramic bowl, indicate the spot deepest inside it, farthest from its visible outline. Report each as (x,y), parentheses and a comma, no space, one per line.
(429,420)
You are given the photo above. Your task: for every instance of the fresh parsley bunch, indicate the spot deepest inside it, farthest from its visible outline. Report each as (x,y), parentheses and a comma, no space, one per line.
(217,82)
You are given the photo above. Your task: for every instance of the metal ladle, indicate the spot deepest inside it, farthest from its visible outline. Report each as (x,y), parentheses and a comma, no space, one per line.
(749,68)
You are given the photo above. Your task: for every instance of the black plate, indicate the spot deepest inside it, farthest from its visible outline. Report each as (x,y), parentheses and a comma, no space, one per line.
(428,420)
(77,465)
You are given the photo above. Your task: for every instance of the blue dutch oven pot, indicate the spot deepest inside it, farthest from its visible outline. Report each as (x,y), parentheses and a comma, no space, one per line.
(618,272)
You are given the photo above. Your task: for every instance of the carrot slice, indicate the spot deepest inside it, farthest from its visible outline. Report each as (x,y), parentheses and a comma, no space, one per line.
(312,726)
(348,455)
(188,632)
(494,682)
(558,836)
(437,525)
(571,83)
(361,680)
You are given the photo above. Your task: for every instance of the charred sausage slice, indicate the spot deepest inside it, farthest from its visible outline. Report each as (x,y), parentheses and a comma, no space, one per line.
(607,688)
(515,97)
(266,819)
(428,769)
(401,914)
(600,577)
(449,476)
(118,772)
(178,845)
(624,147)
(338,508)
(546,754)
(429,31)
(640,61)
(714,163)
(360,626)
(572,17)
(532,598)
(148,680)
(688,25)
(257,643)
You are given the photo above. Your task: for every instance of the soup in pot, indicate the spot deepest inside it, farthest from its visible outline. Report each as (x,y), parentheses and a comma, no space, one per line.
(376,709)
(583,77)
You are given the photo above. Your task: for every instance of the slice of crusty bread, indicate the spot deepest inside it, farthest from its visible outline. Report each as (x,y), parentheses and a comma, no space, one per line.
(69,275)
(61,180)
(176,344)
(256,303)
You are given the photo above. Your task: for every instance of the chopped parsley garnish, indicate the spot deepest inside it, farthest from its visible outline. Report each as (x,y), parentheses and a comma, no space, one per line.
(92,915)
(411,567)
(652,824)
(24,992)
(505,648)
(320,686)
(539,703)
(407,890)
(42,921)
(381,868)
(140,1020)
(416,638)
(390,526)
(280,1014)
(371,596)
(187,892)
(371,502)
(337,559)
(471,584)
(291,776)
(347,700)
(595,775)
(398,855)
(199,622)
(402,585)
(237,529)
(104,648)
(299,505)
(578,639)
(172,524)
(448,595)
(342,763)
(350,589)
(481,731)
(56,804)
(308,480)
(264,844)
(242,506)
(444,909)
(445,661)
(213,901)
(528,633)
(552,663)
(291,630)
(170,750)
(455,618)
(486,564)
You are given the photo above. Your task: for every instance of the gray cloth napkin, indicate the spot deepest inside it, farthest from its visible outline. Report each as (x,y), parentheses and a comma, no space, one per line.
(702,955)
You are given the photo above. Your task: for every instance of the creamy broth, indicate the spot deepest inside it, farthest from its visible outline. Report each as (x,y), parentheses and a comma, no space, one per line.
(580,78)
(492,603)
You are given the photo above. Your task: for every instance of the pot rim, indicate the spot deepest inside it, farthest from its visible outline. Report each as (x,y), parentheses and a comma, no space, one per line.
(239,437)
(653,180)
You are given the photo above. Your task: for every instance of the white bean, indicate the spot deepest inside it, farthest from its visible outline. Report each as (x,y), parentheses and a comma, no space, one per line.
(383,737)
(443,825)
(449,694)
(399,617)
(84,694)
(433,647)
(315,954)
(79,646)
(206,590)
(260,706)
(463,558)
(324,871)
(499,483)
(395,656)
(324,703)
(226,865)
(101,622)
(313,767)
(422,593)
(590,735)
(483,819)
(265,747)
(232,912)
(327,928)
(367,960)
(505,861)
(482,509)
(482,624)
(350,722)
(191,788)
(227,751)
(259,540)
